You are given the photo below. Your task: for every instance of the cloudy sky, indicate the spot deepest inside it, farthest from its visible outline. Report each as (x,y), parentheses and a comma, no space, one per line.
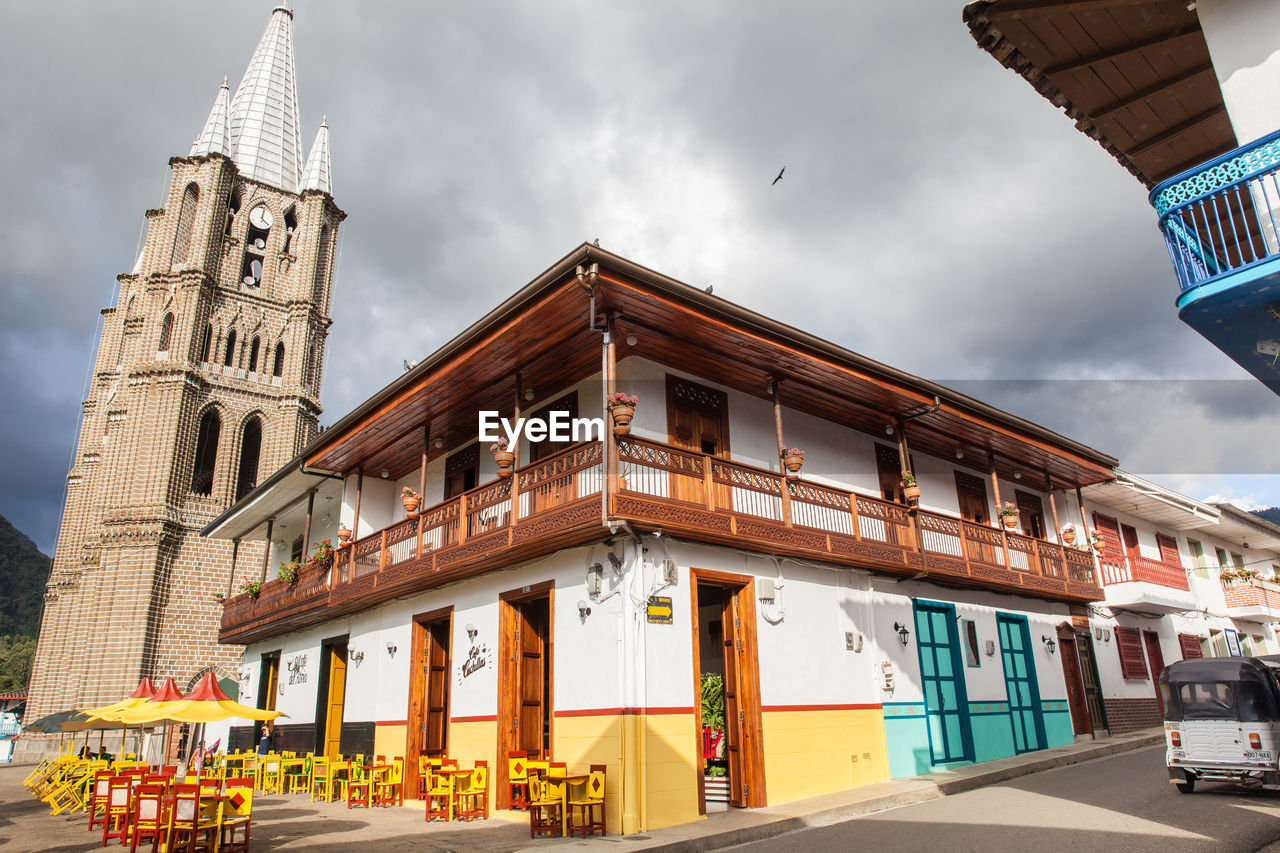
(929,194)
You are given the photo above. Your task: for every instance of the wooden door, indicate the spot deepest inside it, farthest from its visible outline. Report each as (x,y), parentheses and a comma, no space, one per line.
(1030,514)
(1130,538)
(733,713)
(525,677)
(889,473)
(551,492)
(946,702)
(428,730)
(461,470)
(1080,722)
(335,698)
(1092,684)
(1021,685)
(697,421)
(1155,663)
(269,682)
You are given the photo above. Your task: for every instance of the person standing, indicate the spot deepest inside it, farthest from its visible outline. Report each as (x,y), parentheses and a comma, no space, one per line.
(264,744)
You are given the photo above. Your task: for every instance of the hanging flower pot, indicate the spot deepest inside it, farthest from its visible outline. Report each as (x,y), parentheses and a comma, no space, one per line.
(1008,515)
(793,461)
(504,457)
(622,407)
(910,489)
(1069,535)
(344,535)
(411,501)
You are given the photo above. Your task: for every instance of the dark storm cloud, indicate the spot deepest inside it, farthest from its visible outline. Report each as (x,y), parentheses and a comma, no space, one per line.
(936,213)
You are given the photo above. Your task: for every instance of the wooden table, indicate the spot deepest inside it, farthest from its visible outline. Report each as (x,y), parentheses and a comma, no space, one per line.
(454,774)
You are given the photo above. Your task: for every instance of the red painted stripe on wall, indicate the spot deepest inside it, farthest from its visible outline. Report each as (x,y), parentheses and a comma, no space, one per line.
(488,718)
(614,712)
(392,723)
(875,706)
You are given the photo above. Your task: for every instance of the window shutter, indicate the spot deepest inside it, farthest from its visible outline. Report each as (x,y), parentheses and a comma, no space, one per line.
(1190,644)
(1129,644)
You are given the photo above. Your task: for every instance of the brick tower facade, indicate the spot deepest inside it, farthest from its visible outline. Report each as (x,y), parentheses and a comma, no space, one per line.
(206,379)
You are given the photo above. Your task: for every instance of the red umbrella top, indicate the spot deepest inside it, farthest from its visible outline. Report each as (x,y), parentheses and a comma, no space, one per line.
(145,690)
(207,690)
(168,692)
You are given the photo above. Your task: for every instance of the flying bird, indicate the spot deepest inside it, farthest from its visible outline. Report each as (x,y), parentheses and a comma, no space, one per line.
(775,180)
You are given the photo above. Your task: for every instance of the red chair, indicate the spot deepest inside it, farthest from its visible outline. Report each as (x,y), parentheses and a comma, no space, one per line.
(98,799)
(359,788)
(115,822)
(148,820)
(190,828)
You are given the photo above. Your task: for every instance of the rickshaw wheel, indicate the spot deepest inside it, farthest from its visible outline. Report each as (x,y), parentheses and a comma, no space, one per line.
(1188,786)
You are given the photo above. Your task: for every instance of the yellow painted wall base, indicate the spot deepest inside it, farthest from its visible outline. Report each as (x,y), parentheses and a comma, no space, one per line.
(390,740)
(474,741)
(808,753)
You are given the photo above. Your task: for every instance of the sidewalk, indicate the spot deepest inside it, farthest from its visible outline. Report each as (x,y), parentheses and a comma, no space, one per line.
(739,826)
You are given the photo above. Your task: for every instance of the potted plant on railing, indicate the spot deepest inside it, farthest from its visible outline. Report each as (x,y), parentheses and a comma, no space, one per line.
(1069,534)
(910,489)
(288,572)
(344,536)
(622,407)
(321,554)
(1095,539)
(1008,515)
(411,500)
(251,588)
(503,456)
(793,461)
(1230,576)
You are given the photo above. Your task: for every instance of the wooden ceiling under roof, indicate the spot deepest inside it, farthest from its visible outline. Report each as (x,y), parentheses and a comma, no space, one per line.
(542,334)
(1135,75)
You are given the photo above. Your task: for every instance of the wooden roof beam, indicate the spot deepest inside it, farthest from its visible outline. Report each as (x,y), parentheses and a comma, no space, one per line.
(1184,32)
(1155,89)
(1018,6)
(1176,131)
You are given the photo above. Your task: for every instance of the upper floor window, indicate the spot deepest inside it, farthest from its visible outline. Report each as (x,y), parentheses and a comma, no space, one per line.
(321,278)
(889,473)
(229,356)
(254,346)
(972,494)
(697,417)
(542,449)
(1168,550)
(166,332)
(290,225)
(186,222)
(206,343)
(278,369)
(206,453)
(233,207)
(255,245)
(1222,558)
(1197,553)
(1030,513)
(461,470)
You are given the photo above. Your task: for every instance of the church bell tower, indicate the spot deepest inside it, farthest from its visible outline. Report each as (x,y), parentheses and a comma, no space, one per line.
(207,378)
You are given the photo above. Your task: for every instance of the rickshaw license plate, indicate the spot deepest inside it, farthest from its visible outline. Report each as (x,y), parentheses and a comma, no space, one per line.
(1263,754)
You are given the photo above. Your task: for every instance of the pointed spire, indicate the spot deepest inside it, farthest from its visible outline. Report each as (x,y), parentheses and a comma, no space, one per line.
(316,175)
(264,111)
(213,140)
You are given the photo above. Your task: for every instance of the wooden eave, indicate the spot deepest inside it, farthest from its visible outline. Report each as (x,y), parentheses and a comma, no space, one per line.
(1134,75)
(542,333)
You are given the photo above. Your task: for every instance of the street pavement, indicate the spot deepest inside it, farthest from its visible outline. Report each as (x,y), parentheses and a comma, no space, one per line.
(1122,802)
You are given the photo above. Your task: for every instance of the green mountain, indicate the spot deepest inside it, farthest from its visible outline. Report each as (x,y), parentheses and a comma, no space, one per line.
(23,573)
(1271,514)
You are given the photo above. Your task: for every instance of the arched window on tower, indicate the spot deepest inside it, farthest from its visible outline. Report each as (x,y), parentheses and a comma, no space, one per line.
(278,370)
(254,346)
(206,453)
(186,221)
(206,343)
(290,225)
(229,357)
(250,449)
(255,245)
(233,207)
(166,332)
(322,267)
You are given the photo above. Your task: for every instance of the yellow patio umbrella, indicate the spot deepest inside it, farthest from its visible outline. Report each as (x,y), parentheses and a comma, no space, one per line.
(206,703)
(144,692)
(154,710)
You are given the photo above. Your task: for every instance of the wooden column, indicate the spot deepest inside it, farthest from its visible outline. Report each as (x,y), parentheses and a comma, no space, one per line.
(235,552)
(306,524)
(610,388)
(355,522)
(1004,533)
(1053,505)
(422,485)
(782,448)
(266,556)
(515,461)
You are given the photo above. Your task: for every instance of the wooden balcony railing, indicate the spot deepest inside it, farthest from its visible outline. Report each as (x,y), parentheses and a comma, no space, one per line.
(555,502)
(1252,593)
(744,504)
(1122,568)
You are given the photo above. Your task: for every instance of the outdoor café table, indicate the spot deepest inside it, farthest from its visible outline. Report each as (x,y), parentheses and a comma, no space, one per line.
(569,783)
(454,775)
(290,767)
(340,772)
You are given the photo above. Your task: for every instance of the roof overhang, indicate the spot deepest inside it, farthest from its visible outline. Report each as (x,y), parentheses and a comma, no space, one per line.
(1134,75)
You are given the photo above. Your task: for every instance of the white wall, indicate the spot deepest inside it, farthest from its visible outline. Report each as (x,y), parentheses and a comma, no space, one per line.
(1244,43)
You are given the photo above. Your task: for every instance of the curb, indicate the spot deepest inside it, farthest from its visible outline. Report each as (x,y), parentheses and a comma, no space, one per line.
(911,790)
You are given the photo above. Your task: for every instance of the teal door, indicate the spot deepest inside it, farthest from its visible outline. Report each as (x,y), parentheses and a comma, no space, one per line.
(946,704)
(1020,683)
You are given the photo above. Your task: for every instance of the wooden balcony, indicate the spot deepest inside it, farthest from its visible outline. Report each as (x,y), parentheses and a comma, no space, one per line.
(1122,568)
(556,503)
(1260,597)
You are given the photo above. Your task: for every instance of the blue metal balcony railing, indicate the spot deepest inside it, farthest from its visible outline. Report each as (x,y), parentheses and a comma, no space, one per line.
(1223,216)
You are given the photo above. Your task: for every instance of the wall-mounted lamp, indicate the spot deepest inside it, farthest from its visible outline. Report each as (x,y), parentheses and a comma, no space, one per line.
(384,473)
(471,632)
(903,633)
(354,655)
(391,648)
(1049,643)
(584,610)
(631,339)
(991,648)
(888,429)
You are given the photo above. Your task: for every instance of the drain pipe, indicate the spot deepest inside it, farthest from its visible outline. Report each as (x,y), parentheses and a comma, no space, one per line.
(638,681)
(904,460)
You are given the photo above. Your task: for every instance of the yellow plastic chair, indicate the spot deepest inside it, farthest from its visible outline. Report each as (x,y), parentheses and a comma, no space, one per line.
(585,800)
(321,779)
(389,790)
(471,799)
(270,775)
(546,803)
(236,815)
